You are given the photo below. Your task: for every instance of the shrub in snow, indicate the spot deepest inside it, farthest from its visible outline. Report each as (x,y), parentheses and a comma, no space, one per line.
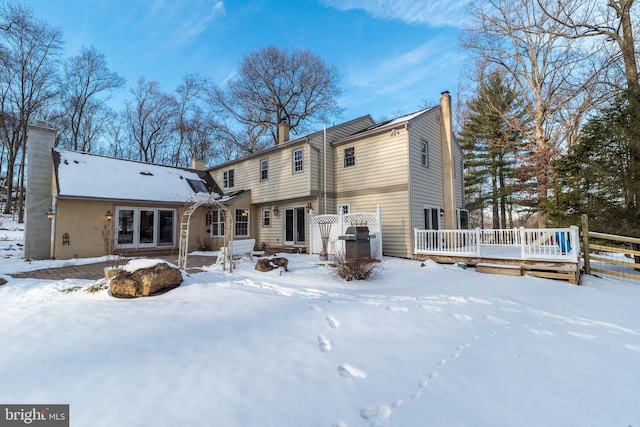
(355,268)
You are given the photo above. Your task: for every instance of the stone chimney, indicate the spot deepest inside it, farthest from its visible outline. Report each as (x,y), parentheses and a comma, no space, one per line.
(197,164)
(283,131)
(448,162)
(38,239)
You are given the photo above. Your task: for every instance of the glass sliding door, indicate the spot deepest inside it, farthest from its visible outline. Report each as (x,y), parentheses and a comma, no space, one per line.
(294,226)
(144,227)
(147,229)
(165,228)
(125,227)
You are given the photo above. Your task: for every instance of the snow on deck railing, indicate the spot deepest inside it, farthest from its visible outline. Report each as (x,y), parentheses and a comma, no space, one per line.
(560,244)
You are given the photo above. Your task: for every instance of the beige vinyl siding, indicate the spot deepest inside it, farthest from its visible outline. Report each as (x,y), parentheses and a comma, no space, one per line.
(459,175)
(426,182)
(379,177)
(395,226)
(333,134)
(282,183)
(380,161)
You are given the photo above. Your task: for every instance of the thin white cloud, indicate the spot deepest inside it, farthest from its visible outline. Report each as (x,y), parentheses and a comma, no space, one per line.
(405,79)
(435,13)
(414,65)
(177,23)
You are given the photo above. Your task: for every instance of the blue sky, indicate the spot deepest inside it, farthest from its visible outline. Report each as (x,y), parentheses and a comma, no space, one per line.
(393,55)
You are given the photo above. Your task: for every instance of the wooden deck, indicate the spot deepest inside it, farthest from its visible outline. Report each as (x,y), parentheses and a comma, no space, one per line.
(548,253)
(563,270)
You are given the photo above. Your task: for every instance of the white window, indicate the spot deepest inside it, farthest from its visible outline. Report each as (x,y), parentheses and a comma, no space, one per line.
(462,217)
(424,154)
(432,218)
(242,223)
(297,160)
(227,178)
(144,227)
(215,221)
(266,218)
(349,157)
(264,169)
(344,208)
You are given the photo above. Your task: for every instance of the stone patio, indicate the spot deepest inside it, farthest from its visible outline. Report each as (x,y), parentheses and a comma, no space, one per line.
(95,271)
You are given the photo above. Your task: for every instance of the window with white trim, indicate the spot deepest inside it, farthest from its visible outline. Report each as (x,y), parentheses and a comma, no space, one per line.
(215,221)
(297,160)
(424,153)
(462,217)
(266,218)
(431,218)
(344,207)
(349,157)
(264,169)
(228,178)
(242,223)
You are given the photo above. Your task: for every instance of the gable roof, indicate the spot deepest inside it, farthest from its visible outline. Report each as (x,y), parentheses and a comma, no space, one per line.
(90,176)
(293,142)
(394,122)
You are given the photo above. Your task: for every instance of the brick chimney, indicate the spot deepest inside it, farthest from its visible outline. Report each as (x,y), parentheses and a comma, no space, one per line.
(283,131)
(448,162)
(197,164)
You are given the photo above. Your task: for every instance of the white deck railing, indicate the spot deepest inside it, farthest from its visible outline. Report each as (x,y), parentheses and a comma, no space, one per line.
(554,244)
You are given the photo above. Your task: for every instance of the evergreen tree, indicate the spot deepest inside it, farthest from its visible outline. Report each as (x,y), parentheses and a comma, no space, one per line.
(490,144)
(600,176)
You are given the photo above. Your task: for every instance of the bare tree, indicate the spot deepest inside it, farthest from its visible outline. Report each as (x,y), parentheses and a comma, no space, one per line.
(28,83)
(86,85)
(607,20)
(549,72)
(150,119)
(189,96)
(273,85)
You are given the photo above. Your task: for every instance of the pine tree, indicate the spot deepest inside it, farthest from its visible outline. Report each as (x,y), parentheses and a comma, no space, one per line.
(600,176)
(490,146)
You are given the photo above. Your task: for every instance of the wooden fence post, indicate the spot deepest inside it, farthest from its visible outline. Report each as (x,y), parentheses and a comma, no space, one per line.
(585,243)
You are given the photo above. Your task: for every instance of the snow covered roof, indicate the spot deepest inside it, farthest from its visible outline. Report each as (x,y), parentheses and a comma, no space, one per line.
(83,175)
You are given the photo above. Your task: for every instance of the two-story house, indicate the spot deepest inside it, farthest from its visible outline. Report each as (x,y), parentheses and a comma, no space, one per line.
(411,166)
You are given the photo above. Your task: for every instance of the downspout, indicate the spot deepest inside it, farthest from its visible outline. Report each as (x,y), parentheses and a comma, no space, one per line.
(324,179)
(54,209)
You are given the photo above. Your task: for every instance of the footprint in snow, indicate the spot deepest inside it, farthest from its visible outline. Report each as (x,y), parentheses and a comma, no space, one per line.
(496,319)
(348,371)
(398,309)
(376,412)
(315,307)
(324,344)
(541,332)
(581,335)
(332,322)
(461,317)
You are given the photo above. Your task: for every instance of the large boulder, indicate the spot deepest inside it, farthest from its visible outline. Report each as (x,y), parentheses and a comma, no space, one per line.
(144,282)
(268,264)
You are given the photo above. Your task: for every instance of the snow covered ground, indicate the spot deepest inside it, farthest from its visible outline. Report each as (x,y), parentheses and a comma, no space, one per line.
(416,346)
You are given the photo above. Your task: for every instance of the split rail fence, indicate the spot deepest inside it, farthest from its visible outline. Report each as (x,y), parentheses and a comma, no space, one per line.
(610,254)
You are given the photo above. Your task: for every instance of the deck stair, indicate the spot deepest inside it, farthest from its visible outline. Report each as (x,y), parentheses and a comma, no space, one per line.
(503,269)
